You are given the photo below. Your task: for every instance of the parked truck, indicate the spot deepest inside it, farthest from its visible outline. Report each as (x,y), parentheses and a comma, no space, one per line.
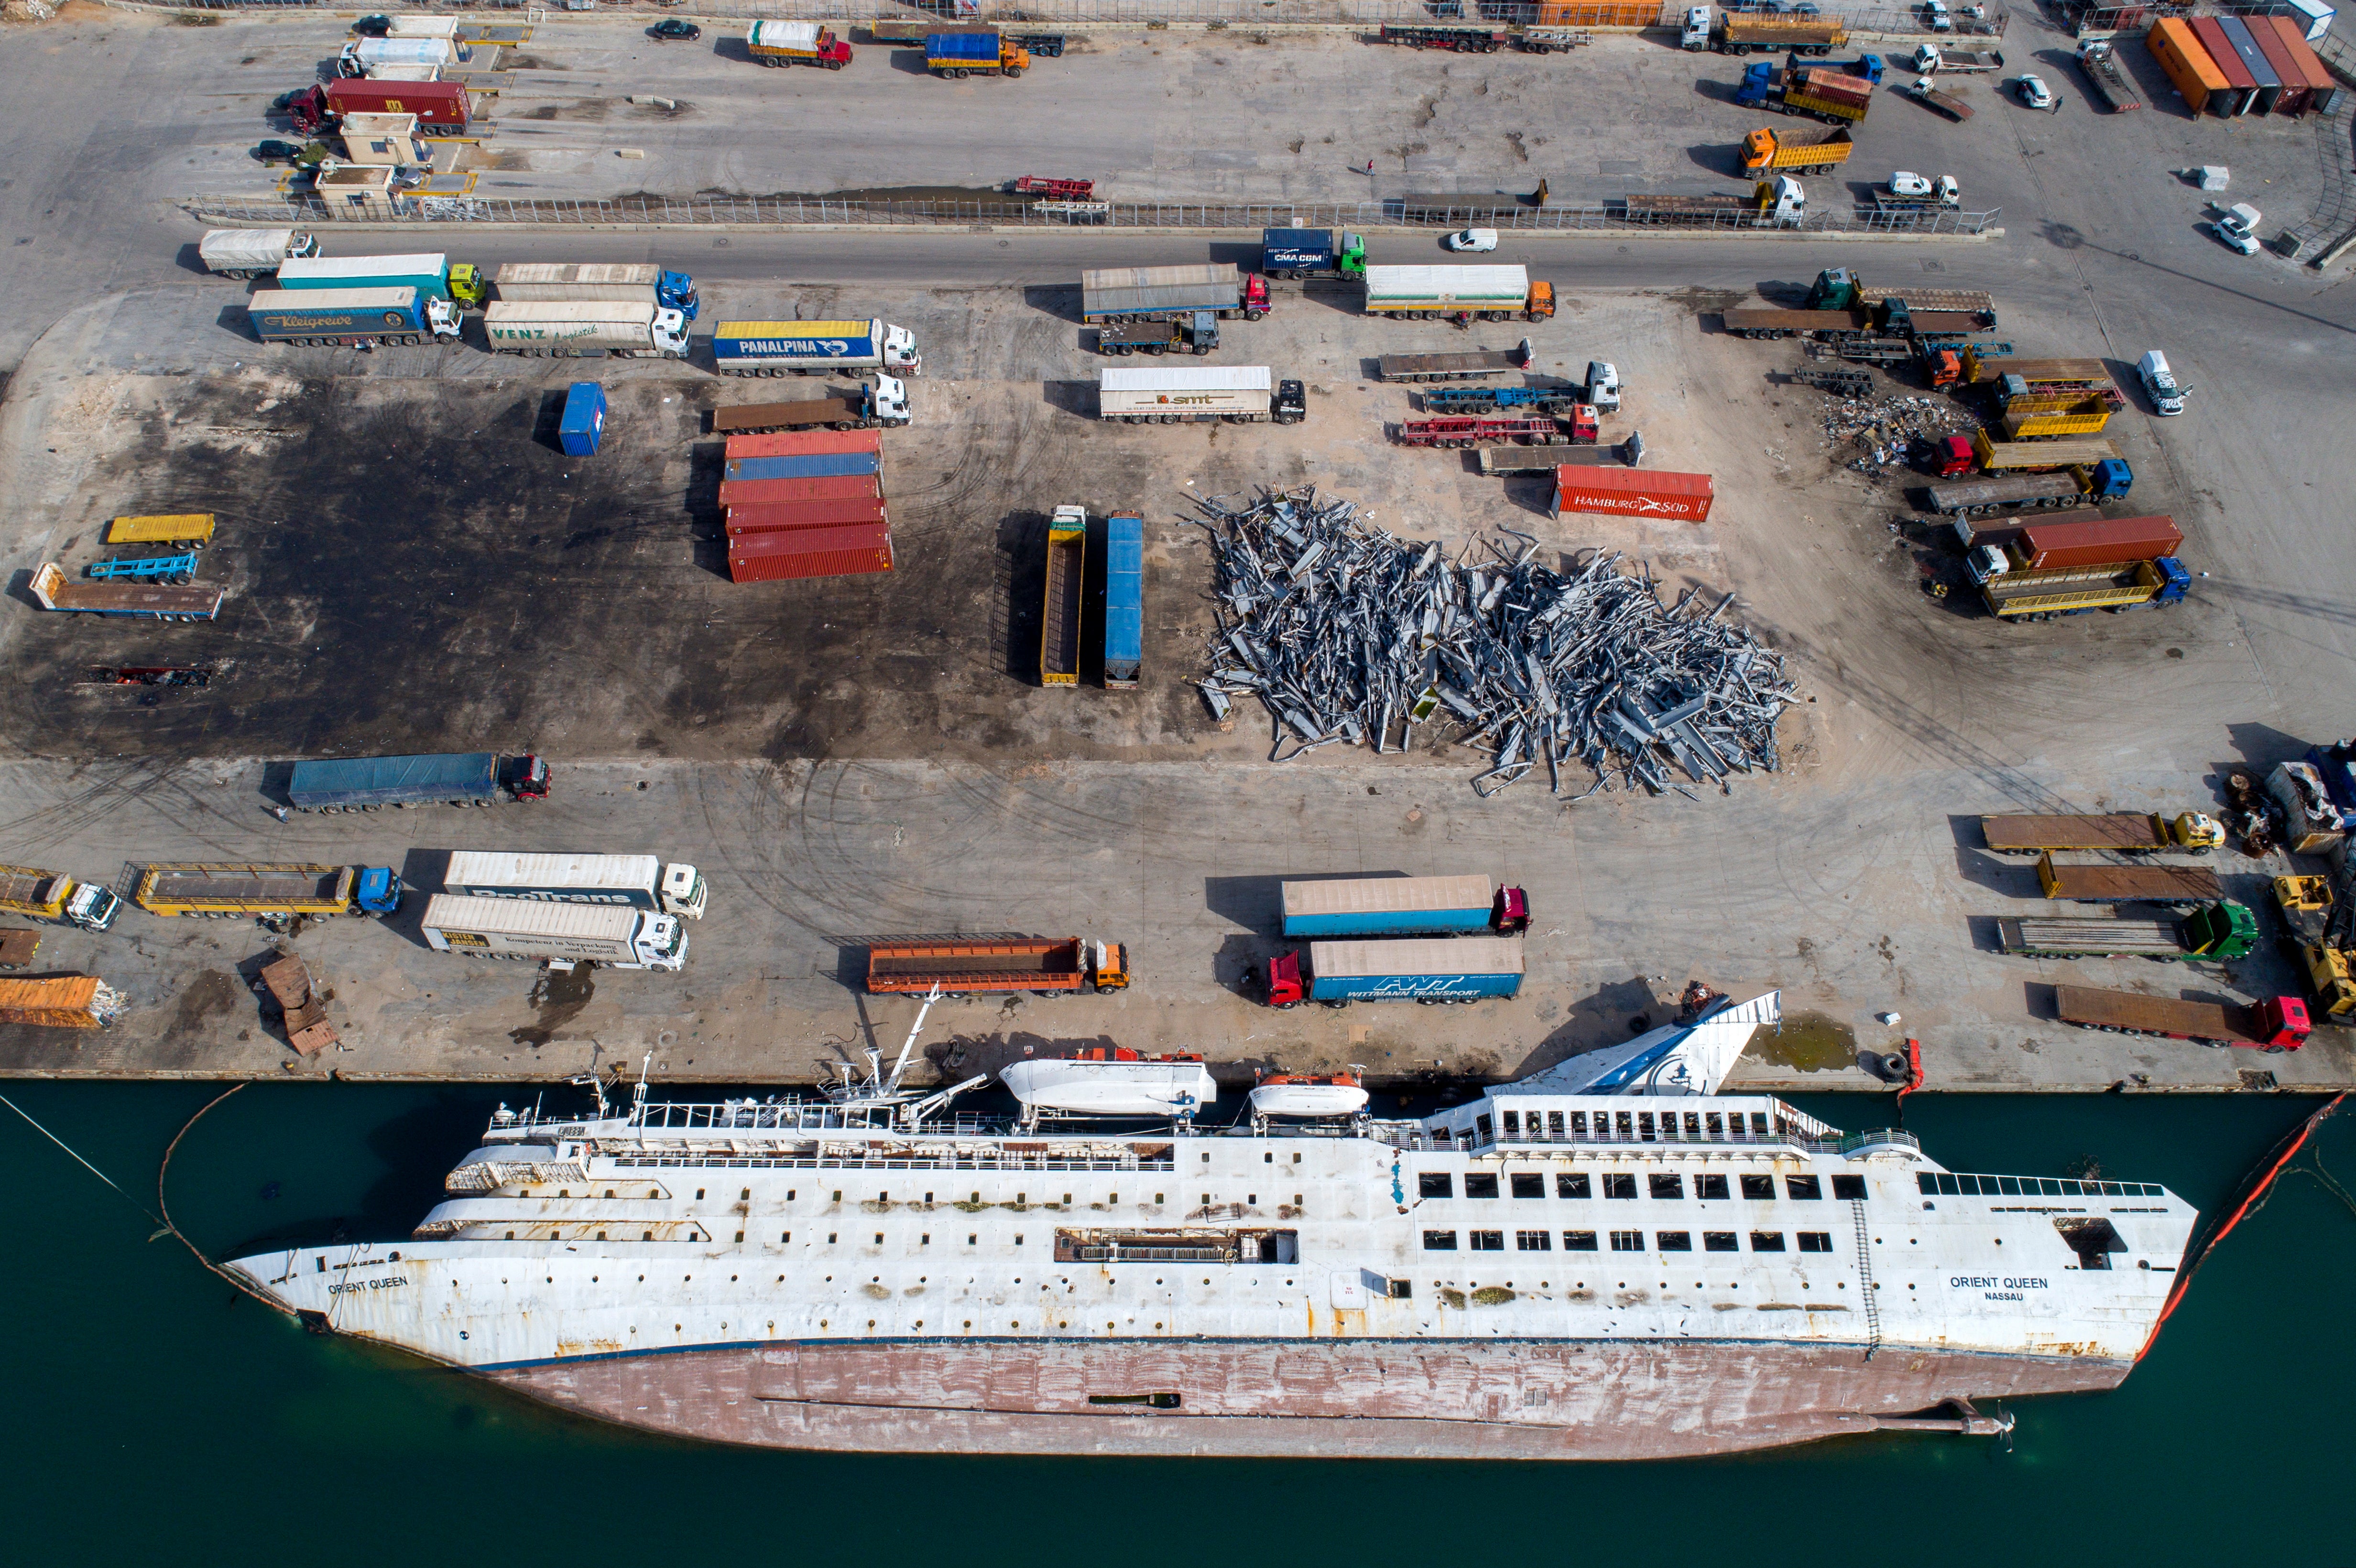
(633,283)
(1483,293)
(1459,366)
(1839,288)
(586,329)
(1819,92)
(52,895)
(957,55)
(1043,965)
(1237,394)
(1550,402)
(2128,884)
(2216,933)
(1060,617)
(2099,65)
(349,319)
(1311,252)
(2092,542)
(1925,92)
(2043,595)
(796,43)
(252,252)
(1412,969)
(2040,456)
(1124,638)
(1773,322)
(631,882)
(2085,416)
(449,778)
(60,1001)
(1462,40)
(2275,1025)
(883,405)
(813,348)
(1939,58)
(1574,427)
(1197,334)
(431,273)
(226,891)
(1110,296)
(562,935)
(132,600)
(1402,906)
(1779,203)
(1797,152)
(1742,32)
(443,108)
(361,56)
(2125,833)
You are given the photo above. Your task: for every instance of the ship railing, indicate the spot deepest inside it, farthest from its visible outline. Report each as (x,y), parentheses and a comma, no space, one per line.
(640,1160)
(1424,1140)
(1102,1254)
(1951,1184)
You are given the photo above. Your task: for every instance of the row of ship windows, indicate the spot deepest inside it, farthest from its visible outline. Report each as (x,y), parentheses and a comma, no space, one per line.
(1626,1240)
(1622,1184)
(1631,1126)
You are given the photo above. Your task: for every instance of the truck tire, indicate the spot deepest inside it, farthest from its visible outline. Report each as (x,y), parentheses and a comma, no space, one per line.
(831,65)
(1014,71)
(1254,314)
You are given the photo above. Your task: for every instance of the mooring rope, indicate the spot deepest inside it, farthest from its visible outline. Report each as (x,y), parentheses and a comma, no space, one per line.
(163,1203)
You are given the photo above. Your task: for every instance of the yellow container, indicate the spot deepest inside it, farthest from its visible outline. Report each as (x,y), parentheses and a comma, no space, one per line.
(179,527)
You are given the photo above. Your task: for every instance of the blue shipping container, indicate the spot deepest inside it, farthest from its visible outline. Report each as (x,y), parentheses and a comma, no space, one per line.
(1124,646)
(1387,906)
(382,780)
(1445,969)
(823,465)
(965,48)
(583,424)
(1296,250)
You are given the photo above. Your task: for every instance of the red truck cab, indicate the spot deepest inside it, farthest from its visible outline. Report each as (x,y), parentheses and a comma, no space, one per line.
(1255,296)
(1511,917)
(1284,989)
(2282,1024)
(1951,456)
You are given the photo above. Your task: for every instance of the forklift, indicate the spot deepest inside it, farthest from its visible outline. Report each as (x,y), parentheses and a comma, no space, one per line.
(2320,916)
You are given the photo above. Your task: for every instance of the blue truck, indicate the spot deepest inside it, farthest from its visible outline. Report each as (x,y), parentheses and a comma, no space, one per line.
(1402,906)
(813,348)
(456,778)
(350,317)
(817,465)
(1305,253)
(1124,637)
(1441,969)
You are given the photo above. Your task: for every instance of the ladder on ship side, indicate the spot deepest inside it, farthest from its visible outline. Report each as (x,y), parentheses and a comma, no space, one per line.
(1865,1279)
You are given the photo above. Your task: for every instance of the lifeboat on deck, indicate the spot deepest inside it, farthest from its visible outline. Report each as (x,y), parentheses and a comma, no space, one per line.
(1110,1082)
(1310,1094)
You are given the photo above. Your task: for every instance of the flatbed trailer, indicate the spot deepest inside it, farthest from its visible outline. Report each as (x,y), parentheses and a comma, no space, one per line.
(1769,323)
(1872,350)
(2123,833)
(1968,498)
(2128,884)
(2042,595)
(1462,430)
(1461,367)
(2277,1024)
(1938,103)
(206,889)
(2213,934)
(129,601)
(2041,456)
(1043,965)
(2109,84)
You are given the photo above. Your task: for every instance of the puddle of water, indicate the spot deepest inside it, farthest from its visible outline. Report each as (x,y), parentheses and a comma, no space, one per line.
(1806,1043)
(558,998)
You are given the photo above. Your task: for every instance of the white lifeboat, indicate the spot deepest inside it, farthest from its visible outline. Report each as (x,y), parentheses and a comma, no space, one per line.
(1309,1094)
(1111,1082)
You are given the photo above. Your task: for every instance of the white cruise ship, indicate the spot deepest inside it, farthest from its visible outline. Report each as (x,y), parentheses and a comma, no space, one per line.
(1603,1261)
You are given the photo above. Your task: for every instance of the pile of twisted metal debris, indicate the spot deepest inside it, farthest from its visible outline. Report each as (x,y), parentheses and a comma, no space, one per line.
(1346,633)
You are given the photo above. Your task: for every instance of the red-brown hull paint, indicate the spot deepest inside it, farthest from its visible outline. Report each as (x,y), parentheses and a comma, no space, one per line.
(1554,1400)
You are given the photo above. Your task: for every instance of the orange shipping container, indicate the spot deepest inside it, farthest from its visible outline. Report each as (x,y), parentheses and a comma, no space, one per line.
(63,1001)
(2321,83)
(2188,65)
(802,443)
(1632,493)
(778,520)
(809,552)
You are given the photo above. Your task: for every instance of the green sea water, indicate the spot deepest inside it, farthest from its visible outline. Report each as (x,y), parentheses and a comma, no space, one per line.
(152,1414)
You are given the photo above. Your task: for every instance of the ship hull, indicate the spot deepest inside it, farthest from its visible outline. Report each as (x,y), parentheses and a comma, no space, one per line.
(1549,1399)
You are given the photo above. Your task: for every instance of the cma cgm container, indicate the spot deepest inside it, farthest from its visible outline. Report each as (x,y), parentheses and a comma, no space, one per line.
(1418,969)
(810,552)
(2096,541)
(1387,906)
(1634,492)
(441,107)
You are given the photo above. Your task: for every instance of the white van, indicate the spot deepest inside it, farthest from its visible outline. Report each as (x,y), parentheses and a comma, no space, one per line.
(2159,384)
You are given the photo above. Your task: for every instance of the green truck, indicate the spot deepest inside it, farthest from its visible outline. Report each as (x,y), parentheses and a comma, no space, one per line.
(2214,931)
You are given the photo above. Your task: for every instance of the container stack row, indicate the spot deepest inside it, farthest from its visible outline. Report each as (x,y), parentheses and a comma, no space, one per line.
(805,504)
(2232,66)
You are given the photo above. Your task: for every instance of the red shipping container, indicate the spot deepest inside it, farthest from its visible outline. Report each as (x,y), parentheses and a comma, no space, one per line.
(784,492)
(439,104)
(810,552)
(802,443)
(2319,81)
(2226,58)
(2293,96)
(1632,492)
(840,514)
(2098,541)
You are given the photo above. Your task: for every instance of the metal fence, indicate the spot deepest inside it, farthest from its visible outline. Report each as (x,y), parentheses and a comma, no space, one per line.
(793,212)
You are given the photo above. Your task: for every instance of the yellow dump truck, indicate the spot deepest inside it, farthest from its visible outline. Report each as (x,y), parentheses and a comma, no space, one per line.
(188,531)
(1797,152)
(201,888)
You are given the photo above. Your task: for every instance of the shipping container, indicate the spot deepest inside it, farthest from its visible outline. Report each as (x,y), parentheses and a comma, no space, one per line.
(187,529)
(786,517)
(1387,906)
(810,552)
(1427,290)
(441,107)
(2293,96)
(802,443)
(2242,89)
(60,1001)
(1190,392)
(2323,88)
(1625,492)
(777,348)
(2187,62)
(1124,642)
(787,492)
(815,465)
(582,425)
(2266,86)
(2095,541)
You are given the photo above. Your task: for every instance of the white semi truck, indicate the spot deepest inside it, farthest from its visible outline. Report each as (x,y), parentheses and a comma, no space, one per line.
(251,252)
(586,329)
(624,881)
(614,935)
(1199,393)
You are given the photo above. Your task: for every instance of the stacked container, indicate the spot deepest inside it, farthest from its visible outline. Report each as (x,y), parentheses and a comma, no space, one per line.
(805,504)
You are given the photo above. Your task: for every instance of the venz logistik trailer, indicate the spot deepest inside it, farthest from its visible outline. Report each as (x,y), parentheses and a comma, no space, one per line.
(1043,965)
(452,778)
(51,895)
(2214,933)
(586,329)
(2126,833)
(813,348)
(632,881)
(226,891)
(1124,640)
(1413,969)
(1402,906)
(1059,627)
(617,936)
(2275,1025)
(1198,394)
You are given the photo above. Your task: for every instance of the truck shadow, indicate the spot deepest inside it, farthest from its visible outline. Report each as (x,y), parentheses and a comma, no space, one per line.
(909,63)
(1527,492)
(1716,90)
(1718,158)
(191,261)
(729,48)
(545,423)
(1021,572)
(234,321)
(20,588)
(422,874)
(1999,873)
(1982,928)
(1071,396)
(1061,301)
(1256,903)
(2040,1002)
(1239,963)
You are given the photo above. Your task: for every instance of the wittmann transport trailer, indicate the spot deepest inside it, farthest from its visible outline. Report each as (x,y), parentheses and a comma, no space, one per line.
(1410,969)
(2213,932)
(2275,1025)
(1402,906)
(2128,884)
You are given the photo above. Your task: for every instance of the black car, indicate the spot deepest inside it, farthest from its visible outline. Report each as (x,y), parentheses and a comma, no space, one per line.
(373,27)
(672,28)
(273,151)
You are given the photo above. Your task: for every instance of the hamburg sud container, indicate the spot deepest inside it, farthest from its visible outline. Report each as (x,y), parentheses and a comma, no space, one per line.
(786,492)
(810,552)
(1633,492)
(796,515)
(2097,541)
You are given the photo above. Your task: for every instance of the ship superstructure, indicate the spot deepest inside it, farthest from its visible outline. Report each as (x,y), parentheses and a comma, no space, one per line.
(1528,1274)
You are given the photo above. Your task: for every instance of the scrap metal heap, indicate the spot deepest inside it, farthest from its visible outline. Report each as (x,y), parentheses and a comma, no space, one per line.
(1346,631)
